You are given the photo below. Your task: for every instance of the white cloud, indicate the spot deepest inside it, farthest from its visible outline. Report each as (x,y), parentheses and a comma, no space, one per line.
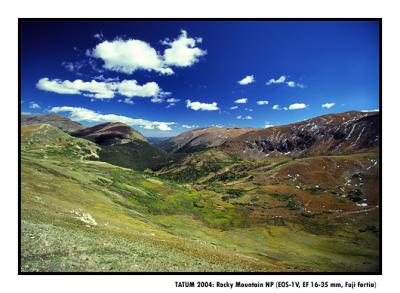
(33,105)
(106,79)
(101,90)
(157,100)
(277,81)
(127,101)
(283,80)
(328,105)
(173,100)
(263,102)
(248,109)
(244,117)
(268,125)
(130,88)
(247,80)
(182,52)
(161,126)
(201,106)
(294,84)
(130,55)
(233,107)
(241,101)
(189,126)
(297,106)
(83,114)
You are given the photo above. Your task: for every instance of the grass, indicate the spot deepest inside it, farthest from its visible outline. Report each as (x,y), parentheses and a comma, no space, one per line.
(143,222)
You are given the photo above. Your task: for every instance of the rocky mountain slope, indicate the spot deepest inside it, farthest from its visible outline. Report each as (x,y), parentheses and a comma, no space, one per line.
(109,133)
(329,134)
(61,122)
(200,139)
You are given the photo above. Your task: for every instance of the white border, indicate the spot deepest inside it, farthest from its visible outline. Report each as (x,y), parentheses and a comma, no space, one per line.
(177,8)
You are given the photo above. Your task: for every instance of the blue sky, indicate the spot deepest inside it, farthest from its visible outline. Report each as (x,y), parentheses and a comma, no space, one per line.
(164,77)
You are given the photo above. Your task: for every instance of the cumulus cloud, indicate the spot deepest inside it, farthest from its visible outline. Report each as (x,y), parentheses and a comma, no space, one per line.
(101,90)
(233,107)
(247,80)
(277,81)
(262,102)
(283,80)
(83,114)
(297,106)
(182,52)
(244,117)
(328,105)
(268,125)
(201,106)
(33,105)
(130,55)
(241,101)
(276,107)
(130,88)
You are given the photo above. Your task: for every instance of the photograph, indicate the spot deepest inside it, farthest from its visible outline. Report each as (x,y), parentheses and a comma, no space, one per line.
(199,146)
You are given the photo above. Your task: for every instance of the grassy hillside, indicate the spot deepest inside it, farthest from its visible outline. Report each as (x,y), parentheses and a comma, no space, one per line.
(137,154)
(83,215)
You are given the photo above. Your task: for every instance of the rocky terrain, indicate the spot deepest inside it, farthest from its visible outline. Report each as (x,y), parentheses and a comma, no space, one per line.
(329,134)
(200,139)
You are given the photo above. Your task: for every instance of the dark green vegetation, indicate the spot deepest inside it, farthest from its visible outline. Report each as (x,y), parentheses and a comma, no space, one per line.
(206,211)
(136,154)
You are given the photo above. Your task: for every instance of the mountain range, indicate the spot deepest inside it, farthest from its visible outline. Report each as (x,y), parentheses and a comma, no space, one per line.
(331,134)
